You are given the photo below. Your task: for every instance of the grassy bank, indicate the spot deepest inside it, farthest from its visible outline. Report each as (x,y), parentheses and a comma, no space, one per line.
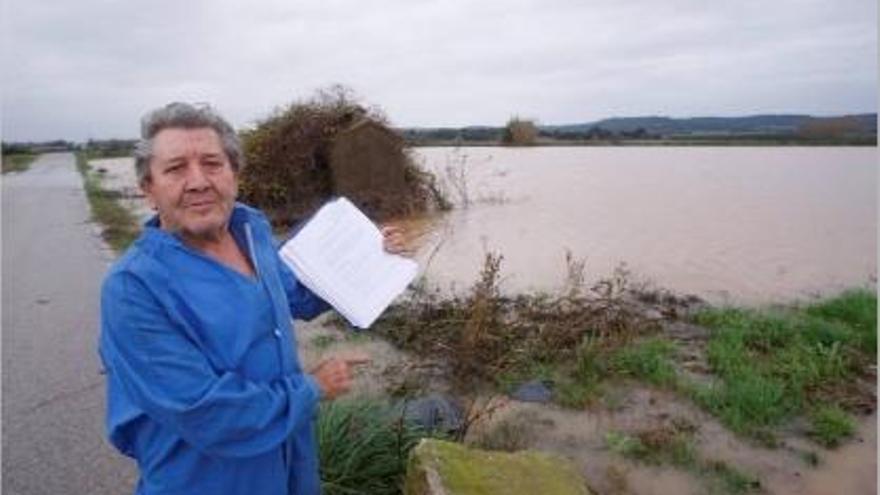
(119,227)
(774,365)
(18,162)
(765,367)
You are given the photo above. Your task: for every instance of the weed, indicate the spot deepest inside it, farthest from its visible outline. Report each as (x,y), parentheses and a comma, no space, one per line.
(773,363)
(18,162)
(748,404)
(830,425)
(363,447)
(669,444)
(575,394)
(811,458)
(625,445)
(722,478)
(674,445)
(486,338)
(649,361)
(856,308)
(455,178)
(119,226)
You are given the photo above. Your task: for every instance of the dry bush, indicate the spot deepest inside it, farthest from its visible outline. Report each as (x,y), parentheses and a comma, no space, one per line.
(288,172)
(520,132)
(484,334)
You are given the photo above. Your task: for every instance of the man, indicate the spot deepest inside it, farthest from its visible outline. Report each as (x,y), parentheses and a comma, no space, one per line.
(204,387)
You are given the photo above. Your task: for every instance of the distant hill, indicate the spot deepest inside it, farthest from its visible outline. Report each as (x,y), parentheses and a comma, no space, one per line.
(755,124)
(843,129)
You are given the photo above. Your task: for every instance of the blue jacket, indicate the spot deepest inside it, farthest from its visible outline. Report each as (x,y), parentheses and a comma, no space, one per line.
(204,387)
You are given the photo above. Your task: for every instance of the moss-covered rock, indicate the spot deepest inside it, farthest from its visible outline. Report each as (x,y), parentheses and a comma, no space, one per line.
(437,467)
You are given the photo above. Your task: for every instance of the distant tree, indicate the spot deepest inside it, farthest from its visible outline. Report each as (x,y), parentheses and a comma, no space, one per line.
(833,127)
(597,132)
(519,132)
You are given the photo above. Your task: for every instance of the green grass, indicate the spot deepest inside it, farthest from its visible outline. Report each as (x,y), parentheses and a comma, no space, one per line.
(649,361)
(678,450)
(775,364)
(722,478)
(831,425)
(93,154)
(119,226)
(856,309)
(677,447)
(18,162)
(364,447)
(582,384)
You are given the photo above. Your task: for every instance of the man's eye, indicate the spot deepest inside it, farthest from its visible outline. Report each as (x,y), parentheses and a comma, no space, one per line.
(174,169)
(213,164)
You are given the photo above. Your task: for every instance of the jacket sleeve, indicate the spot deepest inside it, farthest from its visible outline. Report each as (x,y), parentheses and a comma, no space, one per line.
(304,304)
(163,372)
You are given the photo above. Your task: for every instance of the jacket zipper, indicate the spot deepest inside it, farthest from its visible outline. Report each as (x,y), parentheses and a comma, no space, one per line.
(286,446)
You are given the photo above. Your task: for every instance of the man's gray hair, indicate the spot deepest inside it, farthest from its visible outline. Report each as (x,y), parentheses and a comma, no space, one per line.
(179,115)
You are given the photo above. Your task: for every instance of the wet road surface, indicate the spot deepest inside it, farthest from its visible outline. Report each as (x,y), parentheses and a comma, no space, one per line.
(53,391)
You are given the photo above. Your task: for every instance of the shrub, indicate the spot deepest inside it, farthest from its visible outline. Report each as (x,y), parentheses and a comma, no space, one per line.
(519,132)
(830,425)
(288,172)
(364,447)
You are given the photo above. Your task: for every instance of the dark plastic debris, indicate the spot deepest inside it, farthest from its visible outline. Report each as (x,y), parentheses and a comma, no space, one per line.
(533,391)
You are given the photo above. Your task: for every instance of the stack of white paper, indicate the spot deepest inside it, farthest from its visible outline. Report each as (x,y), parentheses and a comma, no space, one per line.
(338,254)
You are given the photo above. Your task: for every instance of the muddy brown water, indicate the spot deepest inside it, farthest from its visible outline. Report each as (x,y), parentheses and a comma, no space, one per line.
(730,225)
(738,225)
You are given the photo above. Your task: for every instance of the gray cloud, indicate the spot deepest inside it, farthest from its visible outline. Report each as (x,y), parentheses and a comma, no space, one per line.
(90,68)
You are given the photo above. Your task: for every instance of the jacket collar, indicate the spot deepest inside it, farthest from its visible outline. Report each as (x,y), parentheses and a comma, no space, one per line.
(241,214)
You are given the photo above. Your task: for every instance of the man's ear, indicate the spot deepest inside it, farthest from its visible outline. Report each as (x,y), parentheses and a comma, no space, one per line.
(146,186)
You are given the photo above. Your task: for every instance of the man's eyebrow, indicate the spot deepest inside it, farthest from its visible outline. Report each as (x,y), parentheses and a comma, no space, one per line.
(173,159)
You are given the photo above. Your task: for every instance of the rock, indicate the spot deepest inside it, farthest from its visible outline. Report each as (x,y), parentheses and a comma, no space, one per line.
(533,391)
(438,467)
(434,413)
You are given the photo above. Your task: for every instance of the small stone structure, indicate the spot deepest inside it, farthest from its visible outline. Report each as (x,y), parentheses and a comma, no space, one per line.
(368,165)
(438,467)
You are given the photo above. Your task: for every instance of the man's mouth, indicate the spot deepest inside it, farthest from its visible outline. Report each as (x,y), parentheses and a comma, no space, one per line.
(202,203)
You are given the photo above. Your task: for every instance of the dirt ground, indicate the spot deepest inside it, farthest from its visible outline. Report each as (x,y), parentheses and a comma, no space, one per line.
(580,434)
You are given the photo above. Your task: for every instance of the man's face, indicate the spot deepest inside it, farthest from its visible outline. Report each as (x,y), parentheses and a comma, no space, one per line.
(191,183)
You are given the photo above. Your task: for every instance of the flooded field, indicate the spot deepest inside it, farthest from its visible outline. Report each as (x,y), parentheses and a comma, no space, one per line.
(738,225)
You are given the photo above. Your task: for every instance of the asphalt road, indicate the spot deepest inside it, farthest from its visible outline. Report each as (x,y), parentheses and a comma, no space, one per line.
(53,392)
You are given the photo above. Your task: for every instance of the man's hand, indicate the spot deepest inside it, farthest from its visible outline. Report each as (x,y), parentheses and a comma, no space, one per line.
(334,373)
(394,240)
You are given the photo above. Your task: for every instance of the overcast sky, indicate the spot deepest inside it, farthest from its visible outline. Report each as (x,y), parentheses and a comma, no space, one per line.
(90,68)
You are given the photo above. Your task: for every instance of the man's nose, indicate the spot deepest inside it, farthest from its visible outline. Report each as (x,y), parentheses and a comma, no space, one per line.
(195,177)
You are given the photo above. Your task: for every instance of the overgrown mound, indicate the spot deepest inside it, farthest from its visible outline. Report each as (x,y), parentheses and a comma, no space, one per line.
(485,337)
(293,166)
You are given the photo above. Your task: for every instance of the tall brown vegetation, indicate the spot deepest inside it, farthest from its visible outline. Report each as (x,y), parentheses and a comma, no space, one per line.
(288,155)
(831,127)
(520,132)
(484,334)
